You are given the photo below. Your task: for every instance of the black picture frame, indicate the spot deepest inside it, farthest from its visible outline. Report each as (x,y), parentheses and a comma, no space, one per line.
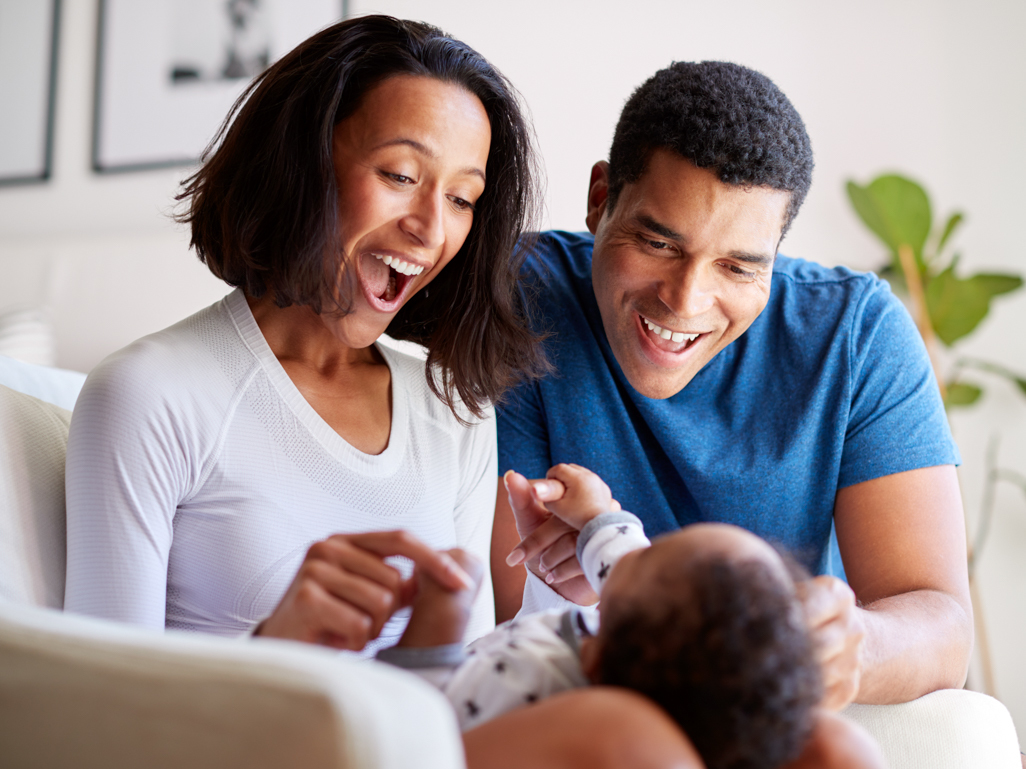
(29,43)
(150,112)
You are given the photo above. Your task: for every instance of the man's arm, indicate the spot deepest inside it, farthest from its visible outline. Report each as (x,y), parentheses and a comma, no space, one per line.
(507,581)
(903,543)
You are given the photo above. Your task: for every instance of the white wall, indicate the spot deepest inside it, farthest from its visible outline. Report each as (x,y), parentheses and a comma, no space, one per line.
(933,89)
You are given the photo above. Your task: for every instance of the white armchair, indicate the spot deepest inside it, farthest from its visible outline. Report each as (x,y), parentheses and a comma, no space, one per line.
(81,692)
(87,693)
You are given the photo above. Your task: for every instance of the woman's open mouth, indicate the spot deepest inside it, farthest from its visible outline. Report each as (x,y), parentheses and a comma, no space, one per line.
(386,280)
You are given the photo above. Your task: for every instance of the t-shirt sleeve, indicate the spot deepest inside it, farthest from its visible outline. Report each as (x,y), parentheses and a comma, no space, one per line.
(475,509)
(897,420)
(126,472)
(523,433)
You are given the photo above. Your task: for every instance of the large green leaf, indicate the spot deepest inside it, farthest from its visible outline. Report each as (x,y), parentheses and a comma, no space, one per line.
(962,394)
(953,221)
(997,284)
(957,305)
(869,212)
(896,209)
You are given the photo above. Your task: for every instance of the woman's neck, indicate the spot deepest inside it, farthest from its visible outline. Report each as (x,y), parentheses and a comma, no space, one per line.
(297,333)
(349,387)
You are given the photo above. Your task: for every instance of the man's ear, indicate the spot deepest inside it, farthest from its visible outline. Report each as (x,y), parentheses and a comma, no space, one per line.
(598,195)
(590,655)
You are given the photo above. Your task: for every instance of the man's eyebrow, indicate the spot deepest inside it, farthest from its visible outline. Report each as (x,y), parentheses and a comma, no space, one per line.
(744,256)
(424,150)
(665,232)
(659,229)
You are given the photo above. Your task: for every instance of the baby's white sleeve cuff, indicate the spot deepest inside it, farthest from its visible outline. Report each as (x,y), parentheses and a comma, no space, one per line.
(540,597)
(604,540)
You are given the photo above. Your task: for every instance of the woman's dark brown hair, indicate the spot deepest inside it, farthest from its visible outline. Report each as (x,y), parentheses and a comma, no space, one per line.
(264,206)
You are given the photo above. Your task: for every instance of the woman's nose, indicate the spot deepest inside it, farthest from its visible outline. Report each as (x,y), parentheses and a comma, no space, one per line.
(425,221)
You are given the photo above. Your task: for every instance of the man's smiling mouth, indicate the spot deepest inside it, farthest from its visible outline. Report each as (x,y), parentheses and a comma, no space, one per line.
(679,340)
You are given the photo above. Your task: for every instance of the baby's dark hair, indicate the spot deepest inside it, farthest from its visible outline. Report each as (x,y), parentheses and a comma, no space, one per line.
(722,647)
(724,117)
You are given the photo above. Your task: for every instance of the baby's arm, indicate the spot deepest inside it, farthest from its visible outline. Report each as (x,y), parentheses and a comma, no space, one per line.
(432,644)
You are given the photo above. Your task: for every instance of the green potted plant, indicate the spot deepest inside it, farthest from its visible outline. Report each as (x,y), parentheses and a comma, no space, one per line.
(946,308)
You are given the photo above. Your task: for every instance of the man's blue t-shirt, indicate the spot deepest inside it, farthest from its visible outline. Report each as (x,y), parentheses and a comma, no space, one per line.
(830,386)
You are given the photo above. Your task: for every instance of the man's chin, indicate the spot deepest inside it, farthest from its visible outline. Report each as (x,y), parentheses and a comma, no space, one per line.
(656,382)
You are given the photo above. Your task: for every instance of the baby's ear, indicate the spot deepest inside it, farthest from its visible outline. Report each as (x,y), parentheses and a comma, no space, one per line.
(591,649)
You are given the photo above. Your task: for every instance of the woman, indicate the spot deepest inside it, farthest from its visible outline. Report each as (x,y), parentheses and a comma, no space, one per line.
(376,178)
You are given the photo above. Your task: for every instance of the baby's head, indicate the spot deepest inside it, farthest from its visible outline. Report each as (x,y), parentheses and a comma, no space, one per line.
(707,624)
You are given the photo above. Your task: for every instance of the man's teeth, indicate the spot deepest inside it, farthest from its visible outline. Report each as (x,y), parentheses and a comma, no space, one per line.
(397,264)
(665,333)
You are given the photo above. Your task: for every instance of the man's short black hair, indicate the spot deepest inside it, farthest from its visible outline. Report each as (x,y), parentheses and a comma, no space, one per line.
(721,645)
(724,117)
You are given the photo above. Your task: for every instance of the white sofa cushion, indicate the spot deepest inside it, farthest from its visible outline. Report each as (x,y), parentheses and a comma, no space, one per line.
(82,692)
(26,334)
(948,729)
(33,441)
(53,385)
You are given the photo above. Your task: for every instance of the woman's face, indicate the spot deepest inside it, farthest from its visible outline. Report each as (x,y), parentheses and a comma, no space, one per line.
(410,166)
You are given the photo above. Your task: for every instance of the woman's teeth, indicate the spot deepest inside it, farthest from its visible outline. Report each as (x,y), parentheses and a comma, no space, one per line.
(400,266)
(665,333)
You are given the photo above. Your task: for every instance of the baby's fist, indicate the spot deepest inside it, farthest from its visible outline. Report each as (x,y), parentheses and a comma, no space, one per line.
(586,496)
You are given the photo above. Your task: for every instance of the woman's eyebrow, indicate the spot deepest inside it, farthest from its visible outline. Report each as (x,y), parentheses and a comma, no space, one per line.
(424,150)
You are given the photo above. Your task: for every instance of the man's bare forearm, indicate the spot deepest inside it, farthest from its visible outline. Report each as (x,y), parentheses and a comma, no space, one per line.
(915,643)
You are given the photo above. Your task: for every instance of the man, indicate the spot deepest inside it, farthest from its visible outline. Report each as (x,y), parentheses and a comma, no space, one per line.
(704,377)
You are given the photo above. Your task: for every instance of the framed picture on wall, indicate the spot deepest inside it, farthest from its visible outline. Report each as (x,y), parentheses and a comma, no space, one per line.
(168,71)
(28,79)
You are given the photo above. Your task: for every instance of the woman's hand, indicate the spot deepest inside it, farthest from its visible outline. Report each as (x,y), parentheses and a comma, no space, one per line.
(344,592)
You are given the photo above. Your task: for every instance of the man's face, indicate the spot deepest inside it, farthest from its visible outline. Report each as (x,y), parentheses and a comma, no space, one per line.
(682,267)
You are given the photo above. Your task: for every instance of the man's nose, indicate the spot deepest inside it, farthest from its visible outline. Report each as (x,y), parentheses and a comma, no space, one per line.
(425,221)
(689,290)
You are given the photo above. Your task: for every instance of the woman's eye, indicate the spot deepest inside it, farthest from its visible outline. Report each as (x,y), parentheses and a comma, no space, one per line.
(400,178)
(461,204)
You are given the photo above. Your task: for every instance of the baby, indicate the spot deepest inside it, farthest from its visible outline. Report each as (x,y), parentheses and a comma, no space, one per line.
(705,621)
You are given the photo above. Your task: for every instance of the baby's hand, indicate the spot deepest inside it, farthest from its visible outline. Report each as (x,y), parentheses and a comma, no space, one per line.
(585,495)
(440,615)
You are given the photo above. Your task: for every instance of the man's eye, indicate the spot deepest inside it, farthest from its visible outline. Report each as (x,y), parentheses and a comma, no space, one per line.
(658,245)
(740,272)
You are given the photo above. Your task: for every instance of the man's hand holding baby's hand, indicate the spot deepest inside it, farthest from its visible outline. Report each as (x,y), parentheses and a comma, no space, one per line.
(549,542)
(837,628)
(440,615)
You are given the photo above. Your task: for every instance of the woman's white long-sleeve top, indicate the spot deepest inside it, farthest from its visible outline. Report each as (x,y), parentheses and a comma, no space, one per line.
(198,476)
